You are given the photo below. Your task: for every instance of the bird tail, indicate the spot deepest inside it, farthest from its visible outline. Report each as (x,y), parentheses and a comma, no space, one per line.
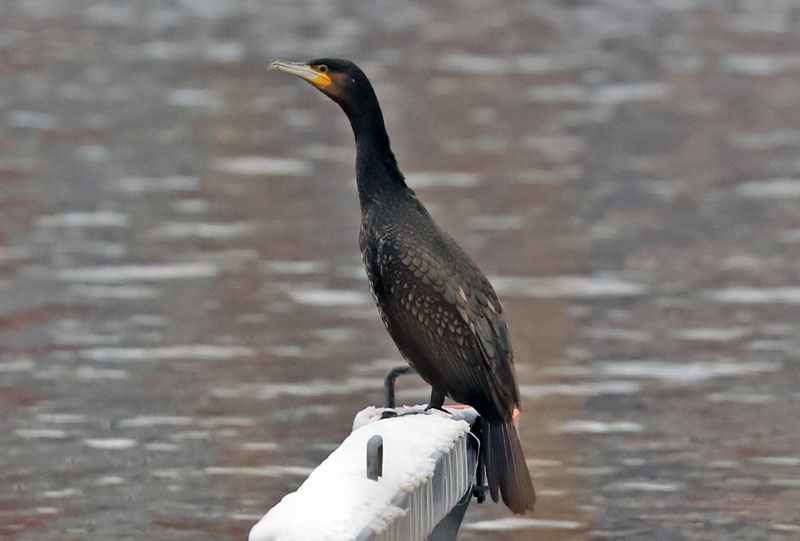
(506,470)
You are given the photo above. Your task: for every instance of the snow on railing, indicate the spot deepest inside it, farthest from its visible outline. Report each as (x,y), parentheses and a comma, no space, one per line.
(421,489)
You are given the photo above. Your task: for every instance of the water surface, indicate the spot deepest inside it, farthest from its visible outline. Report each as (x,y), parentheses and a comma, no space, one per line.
(185,329)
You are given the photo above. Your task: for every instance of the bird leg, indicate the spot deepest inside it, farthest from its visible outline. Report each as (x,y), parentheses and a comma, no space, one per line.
(437,400)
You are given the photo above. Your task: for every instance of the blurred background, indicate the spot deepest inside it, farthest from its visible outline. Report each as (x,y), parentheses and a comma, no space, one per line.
(185,324)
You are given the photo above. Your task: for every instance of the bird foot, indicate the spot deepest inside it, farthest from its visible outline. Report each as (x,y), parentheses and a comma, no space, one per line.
(438,408)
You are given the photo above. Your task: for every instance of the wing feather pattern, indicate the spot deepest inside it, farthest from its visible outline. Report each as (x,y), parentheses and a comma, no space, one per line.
(446,319)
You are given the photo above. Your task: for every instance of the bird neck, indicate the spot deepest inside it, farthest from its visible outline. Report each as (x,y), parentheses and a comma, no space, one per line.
(377,174)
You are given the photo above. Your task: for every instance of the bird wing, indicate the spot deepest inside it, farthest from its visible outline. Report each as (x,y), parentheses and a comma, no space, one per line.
(447,321)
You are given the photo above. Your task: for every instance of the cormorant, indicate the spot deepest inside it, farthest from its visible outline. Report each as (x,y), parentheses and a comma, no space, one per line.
(439,308)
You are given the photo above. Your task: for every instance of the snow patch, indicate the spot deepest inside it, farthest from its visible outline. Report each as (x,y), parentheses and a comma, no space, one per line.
(328,297)
(685,372)
(709,334)
(461,62)
(203,230)
(756,295)
(111,444)
(581,389)
(776,188)
(20,365)
(515,523)
(260,165)
(142,185)
(452,179)
(647,486)
(196,351)
(84,219)
(40,433)
(598,427)
(589,287)
(128,273)
(338,501)
(263,471)
(155,420)
(778,460)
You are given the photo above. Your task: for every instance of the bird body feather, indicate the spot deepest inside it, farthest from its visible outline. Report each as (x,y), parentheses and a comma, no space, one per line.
(441,311)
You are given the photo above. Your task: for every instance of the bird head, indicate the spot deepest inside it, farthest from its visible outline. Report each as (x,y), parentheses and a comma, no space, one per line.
(339,79)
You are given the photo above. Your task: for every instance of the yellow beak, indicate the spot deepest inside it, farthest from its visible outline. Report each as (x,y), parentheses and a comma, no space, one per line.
(302,70)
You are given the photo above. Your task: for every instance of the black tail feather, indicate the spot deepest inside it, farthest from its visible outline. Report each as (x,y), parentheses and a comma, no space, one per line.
(506,471)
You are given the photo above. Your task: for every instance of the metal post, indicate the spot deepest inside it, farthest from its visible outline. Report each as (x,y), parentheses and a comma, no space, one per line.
(389,383)
(479,489)
(375,457)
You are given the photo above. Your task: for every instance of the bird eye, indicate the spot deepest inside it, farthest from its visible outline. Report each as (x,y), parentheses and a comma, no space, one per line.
(322,68)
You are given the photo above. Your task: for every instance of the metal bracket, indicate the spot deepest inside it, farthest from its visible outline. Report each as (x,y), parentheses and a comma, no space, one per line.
(389,383)
(375,457)
(480,488)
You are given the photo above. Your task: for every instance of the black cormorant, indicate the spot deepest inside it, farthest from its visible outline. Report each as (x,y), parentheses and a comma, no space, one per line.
(437,305)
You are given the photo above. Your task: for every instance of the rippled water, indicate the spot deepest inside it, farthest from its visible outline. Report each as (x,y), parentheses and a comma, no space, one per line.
(185,328)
